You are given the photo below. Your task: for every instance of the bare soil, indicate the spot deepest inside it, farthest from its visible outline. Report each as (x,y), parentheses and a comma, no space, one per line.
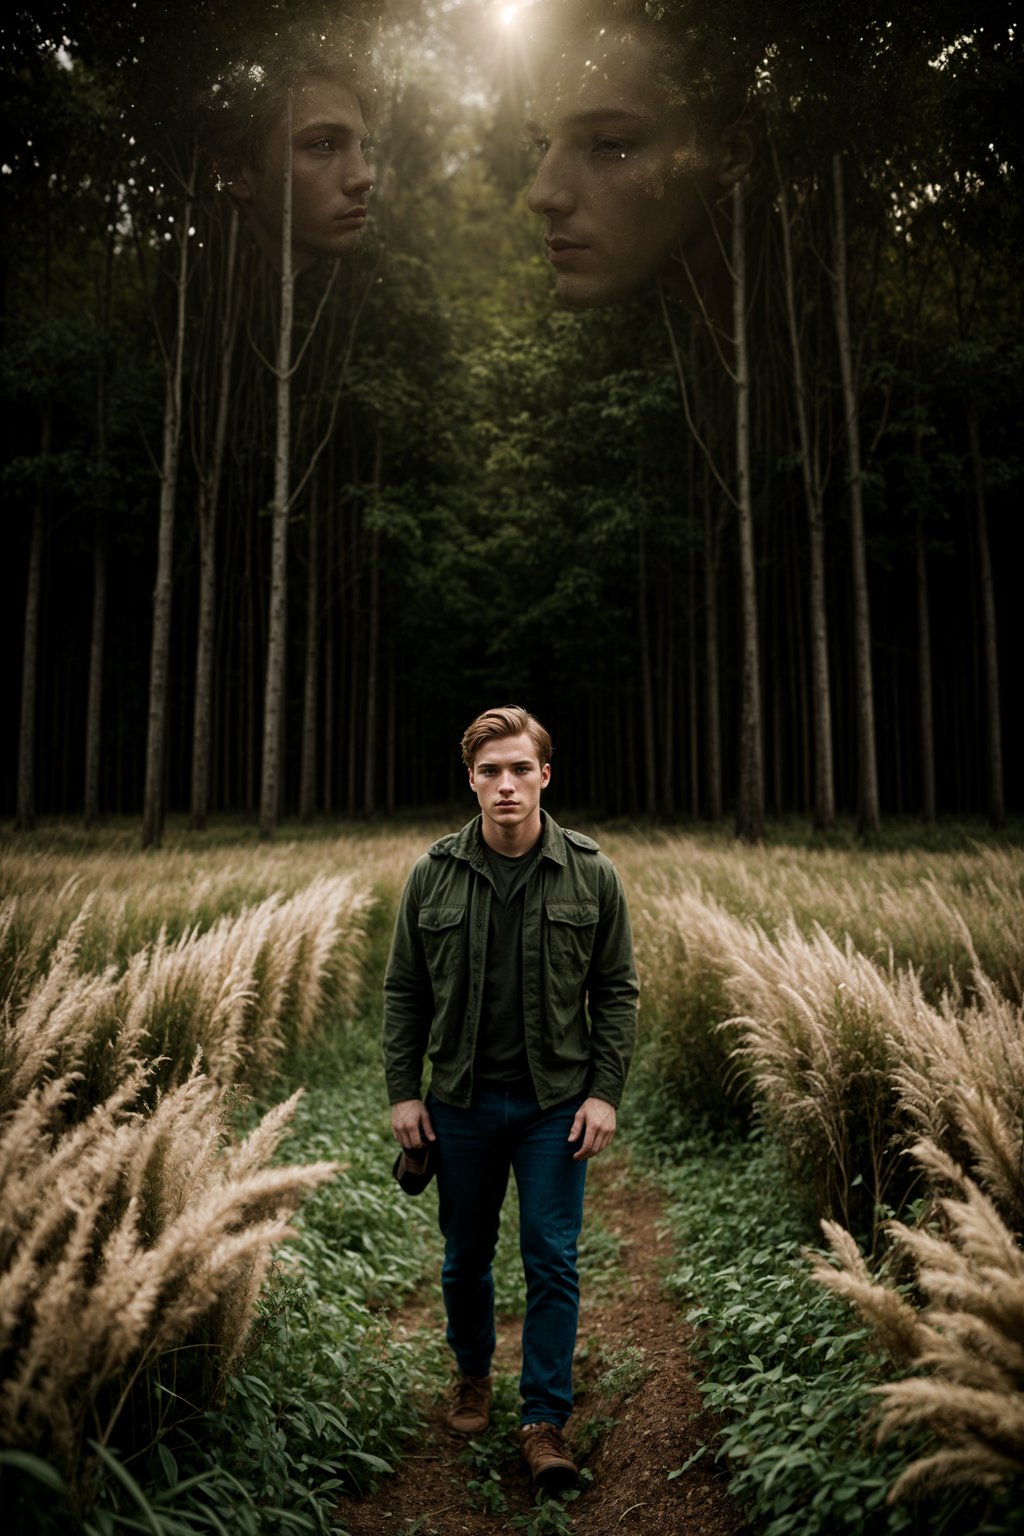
(631,1428)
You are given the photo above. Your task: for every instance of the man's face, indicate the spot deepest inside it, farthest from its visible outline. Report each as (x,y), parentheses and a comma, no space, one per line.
(625,184)
(507,778)
(330,177)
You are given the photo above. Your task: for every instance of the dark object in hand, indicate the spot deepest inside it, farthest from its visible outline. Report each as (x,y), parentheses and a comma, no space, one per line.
(414,1169)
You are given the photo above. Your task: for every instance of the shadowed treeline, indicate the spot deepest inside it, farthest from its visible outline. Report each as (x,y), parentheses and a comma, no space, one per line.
(481,497)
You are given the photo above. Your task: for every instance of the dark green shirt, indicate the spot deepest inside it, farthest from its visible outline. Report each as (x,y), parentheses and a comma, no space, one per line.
(501,1060)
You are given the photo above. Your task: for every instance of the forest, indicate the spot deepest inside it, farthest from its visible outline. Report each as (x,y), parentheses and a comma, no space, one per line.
(482,496)
(288,503)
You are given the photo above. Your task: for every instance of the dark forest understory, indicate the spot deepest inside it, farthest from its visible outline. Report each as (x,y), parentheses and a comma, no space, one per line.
(492,500)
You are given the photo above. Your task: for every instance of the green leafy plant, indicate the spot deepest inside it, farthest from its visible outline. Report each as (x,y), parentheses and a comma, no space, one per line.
(589,1431)
(625,1370)
(550,1514)
(788,1378)
(487,1492)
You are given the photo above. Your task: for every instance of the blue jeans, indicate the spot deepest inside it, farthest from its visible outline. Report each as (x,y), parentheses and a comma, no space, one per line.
(476,1148)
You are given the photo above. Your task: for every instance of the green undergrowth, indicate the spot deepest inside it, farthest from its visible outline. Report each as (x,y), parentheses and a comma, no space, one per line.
(325,1404)
(605,1379)
(786,1372)
(492,1459)
(322,1402)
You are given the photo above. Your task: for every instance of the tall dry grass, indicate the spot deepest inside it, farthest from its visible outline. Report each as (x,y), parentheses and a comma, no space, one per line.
(132,1245)
(187,883)
(817,1039)
(130,1226)
(685,948)
(854,1011)
(135,1227)
(965,1341)
(948,915)
(240,994)
(852,1001)
(794,1028)
(845,1056)
(849,1064)
(960,1080)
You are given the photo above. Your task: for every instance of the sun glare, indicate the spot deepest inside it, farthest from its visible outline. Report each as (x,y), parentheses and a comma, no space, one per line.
(507,15)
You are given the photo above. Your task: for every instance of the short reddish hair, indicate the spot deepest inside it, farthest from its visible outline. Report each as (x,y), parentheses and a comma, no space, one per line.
(508,720)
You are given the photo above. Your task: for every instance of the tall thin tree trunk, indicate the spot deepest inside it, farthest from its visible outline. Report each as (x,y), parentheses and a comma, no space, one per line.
(354,668)
(249,716)
(209,504)
(156,731)
(351,765)
(750,809)
(671,712)
(329,658)
(94,707)
(307,774)
(26,812)
(824,773)
(97,638)
(691,678)
(924,674)
(713,708)
(25,818)
(868,816)
(779,675)
(802,727)
(646,684)
(993,718)
(273,696)
(373,647)
(202,706)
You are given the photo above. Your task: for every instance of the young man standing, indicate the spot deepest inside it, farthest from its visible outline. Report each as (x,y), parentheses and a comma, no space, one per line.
(511,970)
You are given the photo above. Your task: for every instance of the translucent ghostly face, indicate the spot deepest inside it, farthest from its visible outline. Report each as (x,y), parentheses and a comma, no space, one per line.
(627,183)
(330,177)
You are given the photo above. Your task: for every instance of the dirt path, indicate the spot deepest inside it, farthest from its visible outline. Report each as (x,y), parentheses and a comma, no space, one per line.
(638,1414)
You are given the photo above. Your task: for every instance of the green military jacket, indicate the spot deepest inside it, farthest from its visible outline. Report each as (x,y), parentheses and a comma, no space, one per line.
(579,979)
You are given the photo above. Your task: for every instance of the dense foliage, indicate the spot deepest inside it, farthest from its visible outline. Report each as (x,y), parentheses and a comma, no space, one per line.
(788,1371)
(257,1412)
(490,498)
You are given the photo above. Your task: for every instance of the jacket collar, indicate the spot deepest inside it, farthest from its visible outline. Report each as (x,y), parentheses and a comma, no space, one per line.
(469,843)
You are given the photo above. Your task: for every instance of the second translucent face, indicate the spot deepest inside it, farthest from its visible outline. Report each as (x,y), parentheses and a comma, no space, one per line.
(626,183)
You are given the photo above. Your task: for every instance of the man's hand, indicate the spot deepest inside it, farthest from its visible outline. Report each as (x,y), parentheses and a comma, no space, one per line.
(410,1124)
(595,1122)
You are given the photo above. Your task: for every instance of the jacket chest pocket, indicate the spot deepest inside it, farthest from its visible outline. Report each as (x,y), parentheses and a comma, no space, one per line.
(571,929)
(442,935)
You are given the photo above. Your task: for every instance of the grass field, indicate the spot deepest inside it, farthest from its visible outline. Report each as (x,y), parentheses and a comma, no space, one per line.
(191,1257)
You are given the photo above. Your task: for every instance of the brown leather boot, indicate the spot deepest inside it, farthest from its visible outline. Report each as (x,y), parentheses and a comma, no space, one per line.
(470,1412)
(547,1456)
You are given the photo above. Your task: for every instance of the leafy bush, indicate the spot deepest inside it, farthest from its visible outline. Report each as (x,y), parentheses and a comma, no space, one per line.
(333,1382)
(789,1379)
